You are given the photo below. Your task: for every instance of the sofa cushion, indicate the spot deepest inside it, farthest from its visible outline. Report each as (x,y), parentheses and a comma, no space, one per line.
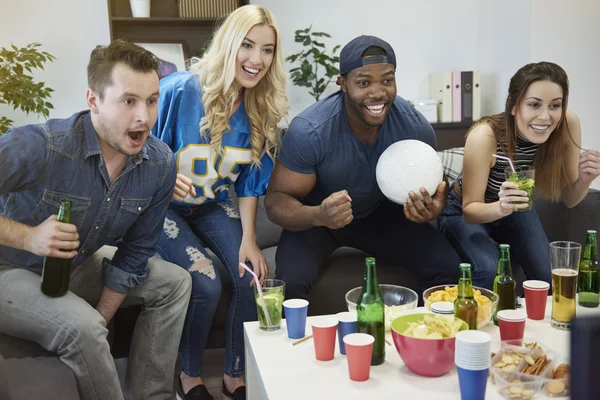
(452,162)
(267,233)
(40,378)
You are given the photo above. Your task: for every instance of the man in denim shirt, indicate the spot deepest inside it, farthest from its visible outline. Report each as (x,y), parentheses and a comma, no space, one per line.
(119,180)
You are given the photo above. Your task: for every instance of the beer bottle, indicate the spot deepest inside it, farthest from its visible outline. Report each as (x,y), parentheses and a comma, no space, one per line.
(371,312)
(57,271)
(504,284)
(589,271)
(465,305)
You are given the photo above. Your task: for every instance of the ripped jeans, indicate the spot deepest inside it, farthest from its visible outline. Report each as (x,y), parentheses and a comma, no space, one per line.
(186,231)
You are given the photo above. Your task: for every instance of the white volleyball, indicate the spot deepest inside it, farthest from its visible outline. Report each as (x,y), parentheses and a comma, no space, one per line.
(407,166)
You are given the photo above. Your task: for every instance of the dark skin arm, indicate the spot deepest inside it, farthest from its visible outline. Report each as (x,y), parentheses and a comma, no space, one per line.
(429,208)
(284,208)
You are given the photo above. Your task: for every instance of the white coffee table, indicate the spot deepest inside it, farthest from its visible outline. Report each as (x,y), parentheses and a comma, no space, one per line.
(277,370)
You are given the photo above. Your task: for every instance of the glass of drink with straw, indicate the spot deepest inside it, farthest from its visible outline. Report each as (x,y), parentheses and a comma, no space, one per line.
(524,177)
(269,298)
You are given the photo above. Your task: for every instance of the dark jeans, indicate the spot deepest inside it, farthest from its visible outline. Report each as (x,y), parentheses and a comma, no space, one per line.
(477,243)
(385,234)
(187,230)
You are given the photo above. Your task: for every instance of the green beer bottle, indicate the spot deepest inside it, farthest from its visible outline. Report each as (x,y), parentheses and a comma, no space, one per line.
(371,312)
(589,271)
(504,284)
(57,271)
(465,305)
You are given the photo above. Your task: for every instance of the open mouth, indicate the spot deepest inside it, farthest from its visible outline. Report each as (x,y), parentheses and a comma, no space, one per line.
(137,138)
(376,109)
(540,128)
(251,72)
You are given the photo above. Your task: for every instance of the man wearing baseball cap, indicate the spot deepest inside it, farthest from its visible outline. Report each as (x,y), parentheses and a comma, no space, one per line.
(323,190)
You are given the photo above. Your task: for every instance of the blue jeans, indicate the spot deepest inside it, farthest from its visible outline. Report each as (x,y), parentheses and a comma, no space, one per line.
(186,231)
(385,234)
(477,243)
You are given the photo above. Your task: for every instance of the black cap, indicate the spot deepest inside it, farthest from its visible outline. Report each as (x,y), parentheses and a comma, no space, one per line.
(351,55)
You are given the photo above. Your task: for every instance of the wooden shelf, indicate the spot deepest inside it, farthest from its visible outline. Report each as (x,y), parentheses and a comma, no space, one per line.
(163,20)
(452,125)
(451,134)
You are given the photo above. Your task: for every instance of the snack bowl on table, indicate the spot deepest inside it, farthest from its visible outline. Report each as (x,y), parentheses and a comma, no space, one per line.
(426,357)
(524,372)
(486,307)
(397,300)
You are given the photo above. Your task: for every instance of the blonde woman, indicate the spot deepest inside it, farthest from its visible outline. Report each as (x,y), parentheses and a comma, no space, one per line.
(221,120)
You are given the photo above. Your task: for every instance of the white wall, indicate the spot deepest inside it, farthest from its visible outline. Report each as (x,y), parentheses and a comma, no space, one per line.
(567,33)
(427,36)
(67,29)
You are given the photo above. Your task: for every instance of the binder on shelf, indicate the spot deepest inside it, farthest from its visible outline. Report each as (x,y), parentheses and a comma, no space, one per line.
(456,97)
(476,96)
(467,96)
(440,89)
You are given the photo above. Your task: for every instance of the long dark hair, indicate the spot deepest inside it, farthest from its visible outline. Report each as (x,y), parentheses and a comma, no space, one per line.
(549,168)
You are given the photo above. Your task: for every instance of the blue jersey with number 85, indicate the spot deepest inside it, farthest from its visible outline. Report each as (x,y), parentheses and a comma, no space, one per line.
(180,110)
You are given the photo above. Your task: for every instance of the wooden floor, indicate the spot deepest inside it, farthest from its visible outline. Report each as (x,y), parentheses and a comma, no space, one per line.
(212,372)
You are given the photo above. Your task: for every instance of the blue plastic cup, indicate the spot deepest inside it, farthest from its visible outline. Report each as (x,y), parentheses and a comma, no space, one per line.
(295,317)
(347,324)
(472,383)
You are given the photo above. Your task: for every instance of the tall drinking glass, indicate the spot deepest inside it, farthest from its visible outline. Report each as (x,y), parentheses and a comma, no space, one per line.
(273,294)
(524,176)
(564,261)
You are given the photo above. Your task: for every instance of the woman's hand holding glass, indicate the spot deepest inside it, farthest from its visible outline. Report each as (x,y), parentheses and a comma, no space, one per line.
(511,198)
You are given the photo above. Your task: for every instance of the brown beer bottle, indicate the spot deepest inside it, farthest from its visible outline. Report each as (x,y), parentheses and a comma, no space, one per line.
(57,271)
(465,305)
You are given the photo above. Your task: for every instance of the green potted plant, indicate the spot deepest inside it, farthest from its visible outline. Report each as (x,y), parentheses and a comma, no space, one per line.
(17,87)
(318,68)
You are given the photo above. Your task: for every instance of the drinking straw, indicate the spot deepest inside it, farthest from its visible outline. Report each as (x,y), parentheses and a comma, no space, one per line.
(260,293)
(506,158)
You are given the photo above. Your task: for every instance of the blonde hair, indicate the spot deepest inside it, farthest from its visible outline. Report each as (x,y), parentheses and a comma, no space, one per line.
(266,103)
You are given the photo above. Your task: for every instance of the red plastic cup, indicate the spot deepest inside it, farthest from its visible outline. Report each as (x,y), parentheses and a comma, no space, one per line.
(512,325)
(536,295)
(359,349)
(324,331)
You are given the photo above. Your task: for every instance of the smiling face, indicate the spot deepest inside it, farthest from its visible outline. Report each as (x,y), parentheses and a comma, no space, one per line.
(126,112)
(369,93)
(255,56)
(539,112)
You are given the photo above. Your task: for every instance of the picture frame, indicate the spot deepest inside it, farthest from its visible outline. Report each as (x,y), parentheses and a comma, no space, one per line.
(172,54)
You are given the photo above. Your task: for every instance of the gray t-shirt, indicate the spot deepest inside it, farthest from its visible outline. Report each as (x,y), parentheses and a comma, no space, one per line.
(320,141)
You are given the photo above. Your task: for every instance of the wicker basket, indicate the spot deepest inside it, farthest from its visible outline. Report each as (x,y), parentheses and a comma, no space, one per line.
(206,8)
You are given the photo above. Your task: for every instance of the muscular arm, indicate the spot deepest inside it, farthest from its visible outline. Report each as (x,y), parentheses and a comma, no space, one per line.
(282,204)
(478,159)
(574,189)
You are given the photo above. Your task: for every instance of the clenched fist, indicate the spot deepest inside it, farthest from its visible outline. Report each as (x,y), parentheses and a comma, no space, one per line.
(336,210)
(183,187)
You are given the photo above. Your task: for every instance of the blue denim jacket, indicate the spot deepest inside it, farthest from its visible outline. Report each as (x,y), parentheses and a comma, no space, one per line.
(40,165)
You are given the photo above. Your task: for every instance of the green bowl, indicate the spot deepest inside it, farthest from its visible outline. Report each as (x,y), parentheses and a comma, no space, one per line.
(425,357)
(401,323)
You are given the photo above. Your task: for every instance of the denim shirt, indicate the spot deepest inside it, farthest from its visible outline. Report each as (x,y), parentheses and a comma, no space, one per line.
(40,165)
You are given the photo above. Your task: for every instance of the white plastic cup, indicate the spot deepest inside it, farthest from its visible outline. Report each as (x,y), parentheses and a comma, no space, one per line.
(472,350)
(140,8)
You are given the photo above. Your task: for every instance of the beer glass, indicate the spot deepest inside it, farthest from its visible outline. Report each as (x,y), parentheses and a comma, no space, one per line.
(564,261)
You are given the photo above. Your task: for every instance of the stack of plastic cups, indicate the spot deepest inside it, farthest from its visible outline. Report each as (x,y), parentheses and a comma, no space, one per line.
(472,359)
